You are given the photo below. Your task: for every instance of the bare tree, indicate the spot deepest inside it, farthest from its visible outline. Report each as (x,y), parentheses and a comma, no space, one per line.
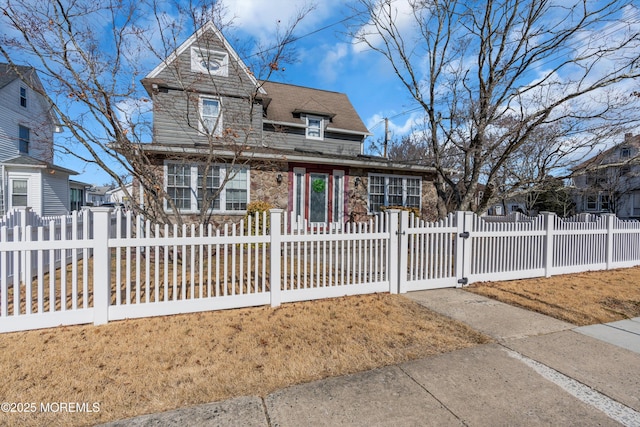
(490,74)
(91,57)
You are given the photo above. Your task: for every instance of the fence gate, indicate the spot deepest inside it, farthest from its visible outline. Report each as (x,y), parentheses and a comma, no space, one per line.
(431,253)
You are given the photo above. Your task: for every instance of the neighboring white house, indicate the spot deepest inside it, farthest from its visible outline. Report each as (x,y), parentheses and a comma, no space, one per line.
(118,195)
(27,124)
(610,181)
(98,195)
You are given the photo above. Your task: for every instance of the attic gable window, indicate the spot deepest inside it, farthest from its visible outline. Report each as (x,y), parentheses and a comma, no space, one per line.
(212,62)
(315,128)
(210,116)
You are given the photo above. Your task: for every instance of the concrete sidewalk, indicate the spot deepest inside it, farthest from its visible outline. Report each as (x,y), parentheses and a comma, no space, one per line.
(540,371)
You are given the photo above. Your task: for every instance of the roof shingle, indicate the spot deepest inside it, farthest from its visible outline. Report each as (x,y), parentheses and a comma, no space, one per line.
(285,100)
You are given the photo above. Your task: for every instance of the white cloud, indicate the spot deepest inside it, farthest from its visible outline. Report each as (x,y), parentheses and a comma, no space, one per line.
(400,11)
(260,18)
(331,64)
(397,127)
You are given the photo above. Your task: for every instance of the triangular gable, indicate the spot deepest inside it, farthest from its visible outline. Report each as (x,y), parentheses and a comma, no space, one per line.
(29,77)
(312,106)
(209,26)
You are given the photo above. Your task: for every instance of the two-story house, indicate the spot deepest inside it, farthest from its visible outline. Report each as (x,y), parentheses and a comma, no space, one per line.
(610,181)
(218,130)
(27,125)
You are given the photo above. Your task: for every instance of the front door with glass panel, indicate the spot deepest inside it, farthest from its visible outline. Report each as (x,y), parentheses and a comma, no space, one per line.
(318,200)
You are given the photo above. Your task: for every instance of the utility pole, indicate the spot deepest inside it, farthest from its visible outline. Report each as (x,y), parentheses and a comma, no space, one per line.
(386,136)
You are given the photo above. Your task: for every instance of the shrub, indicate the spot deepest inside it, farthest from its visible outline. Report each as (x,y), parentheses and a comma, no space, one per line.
(413,210)
(258,207)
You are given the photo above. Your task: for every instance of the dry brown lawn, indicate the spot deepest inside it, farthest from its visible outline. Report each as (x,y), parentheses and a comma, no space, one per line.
(149,365)
(581,299)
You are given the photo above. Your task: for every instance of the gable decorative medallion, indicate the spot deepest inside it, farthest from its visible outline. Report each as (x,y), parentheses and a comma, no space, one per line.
(209,61)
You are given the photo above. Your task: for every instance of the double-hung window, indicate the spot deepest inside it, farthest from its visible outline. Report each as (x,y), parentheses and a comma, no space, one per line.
(210,116)
(236,190)
(315,129)
(19,192)
(394,190)
(209,187)
(218,188)
(179,185)
(23,139)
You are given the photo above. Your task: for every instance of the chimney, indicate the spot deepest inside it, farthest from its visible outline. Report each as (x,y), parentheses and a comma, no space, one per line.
(628,136)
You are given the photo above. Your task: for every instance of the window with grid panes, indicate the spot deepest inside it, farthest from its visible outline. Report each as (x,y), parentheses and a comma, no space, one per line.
(413,193)
(393,190)
(179,185)
(211,187)
(376,192)
(236,190)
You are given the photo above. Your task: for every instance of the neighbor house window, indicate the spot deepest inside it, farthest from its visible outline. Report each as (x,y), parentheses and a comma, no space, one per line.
(210,117)
(592,202)
(636,204)
(315,129)
(625,152)
(23,96)
(191,185)
(23,139)
(19,192)
(394,190)
(76,198)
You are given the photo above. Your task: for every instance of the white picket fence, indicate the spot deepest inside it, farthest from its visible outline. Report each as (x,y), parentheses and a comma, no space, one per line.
(122,266)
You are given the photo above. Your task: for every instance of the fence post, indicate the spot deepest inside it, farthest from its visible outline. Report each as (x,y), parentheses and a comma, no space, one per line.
(101,264)
(549,221)
(393,251)
(275,255)
(464,221)
(610,220)
(403,259)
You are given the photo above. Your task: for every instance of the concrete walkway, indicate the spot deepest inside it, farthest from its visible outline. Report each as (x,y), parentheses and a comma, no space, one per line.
(540,371)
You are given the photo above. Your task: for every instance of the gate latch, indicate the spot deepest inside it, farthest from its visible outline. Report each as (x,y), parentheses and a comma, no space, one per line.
(464,281)
(464,235)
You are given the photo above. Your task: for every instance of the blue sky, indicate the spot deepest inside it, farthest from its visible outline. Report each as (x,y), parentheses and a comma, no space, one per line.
(325,58)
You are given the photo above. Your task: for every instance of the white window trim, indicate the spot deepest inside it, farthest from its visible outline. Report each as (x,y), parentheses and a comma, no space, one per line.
(386,185)
(194,188)
(299,216)
(19,178)
(338,197)
(306,132)
(198,55)
(217,131)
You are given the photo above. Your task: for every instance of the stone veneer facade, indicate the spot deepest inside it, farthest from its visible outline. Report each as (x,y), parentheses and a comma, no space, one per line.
(264,187)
